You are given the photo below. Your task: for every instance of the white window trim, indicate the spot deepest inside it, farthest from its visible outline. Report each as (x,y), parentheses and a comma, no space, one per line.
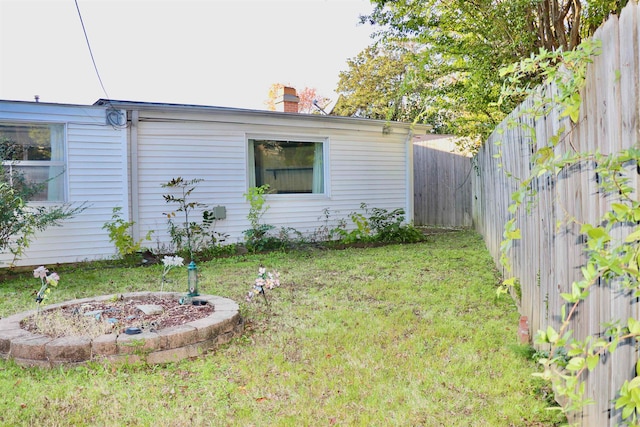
(326,144)
(64,162)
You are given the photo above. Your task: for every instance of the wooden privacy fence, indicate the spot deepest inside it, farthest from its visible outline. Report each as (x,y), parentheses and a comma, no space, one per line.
(548,257)
(442,183)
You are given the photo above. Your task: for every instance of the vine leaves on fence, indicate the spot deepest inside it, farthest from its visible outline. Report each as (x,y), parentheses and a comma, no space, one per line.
(610,261)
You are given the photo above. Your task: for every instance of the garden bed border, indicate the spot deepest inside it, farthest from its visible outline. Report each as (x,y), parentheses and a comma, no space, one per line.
(163,346)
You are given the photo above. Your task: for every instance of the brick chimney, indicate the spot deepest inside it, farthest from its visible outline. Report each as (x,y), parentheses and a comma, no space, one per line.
(287,100)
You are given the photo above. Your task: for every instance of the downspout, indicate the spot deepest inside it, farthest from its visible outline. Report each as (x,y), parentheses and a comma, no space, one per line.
(133,176)
(409,178)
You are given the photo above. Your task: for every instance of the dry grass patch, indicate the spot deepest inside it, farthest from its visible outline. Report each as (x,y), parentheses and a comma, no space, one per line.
(55,323)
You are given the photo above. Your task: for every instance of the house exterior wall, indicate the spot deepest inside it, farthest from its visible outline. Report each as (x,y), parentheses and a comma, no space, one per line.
(364,165)
(366,161)
(96,162)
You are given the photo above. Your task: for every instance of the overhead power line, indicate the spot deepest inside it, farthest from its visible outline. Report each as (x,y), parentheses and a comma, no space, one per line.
(95,67)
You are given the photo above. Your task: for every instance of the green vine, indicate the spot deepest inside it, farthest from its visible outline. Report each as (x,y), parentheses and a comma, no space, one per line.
(609,259)
(564,71)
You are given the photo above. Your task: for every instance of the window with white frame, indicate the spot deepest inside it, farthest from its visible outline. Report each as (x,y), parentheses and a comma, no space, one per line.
(287,166)
(34,152)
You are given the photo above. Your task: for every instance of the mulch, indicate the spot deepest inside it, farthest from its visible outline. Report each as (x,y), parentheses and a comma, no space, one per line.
(125,314)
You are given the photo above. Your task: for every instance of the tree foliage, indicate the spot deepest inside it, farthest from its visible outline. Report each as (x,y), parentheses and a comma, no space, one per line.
(19,219)
(307,97)
(373,87)
(451,71)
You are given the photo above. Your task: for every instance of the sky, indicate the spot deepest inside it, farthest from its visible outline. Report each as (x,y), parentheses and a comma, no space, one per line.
(207,52)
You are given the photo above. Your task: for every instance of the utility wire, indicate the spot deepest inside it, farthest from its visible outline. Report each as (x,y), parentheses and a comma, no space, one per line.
(95,67)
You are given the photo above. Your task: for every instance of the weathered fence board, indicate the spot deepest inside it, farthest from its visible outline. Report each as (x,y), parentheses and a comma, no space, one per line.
(550,254)
(442,183)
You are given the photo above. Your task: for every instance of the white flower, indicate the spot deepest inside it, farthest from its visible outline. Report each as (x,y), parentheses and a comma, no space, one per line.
(53,279)
(173,261)
(273,280)
(46,280)
(265,280)
(40,272)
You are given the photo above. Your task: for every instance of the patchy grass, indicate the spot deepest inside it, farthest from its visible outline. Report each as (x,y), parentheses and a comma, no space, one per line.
(402,335)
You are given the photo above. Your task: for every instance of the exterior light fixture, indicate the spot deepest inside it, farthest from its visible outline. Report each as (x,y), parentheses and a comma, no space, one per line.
(192,280)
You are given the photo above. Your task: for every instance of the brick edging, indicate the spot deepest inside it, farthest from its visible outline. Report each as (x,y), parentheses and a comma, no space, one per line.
(166,345)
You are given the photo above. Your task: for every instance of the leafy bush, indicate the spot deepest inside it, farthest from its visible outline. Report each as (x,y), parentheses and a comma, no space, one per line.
(389,227)
(191,237)
(378,225)
(120,234)
(181,233)
(257,238)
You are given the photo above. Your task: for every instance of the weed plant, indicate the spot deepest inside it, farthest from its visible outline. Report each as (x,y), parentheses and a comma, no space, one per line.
(400,335)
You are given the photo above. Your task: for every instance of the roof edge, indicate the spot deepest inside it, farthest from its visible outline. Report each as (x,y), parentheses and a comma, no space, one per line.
(157,106)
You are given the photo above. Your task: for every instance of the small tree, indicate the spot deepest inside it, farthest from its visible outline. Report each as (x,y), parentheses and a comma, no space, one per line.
(185,187)
(256,237)
(19,219)
(120,234)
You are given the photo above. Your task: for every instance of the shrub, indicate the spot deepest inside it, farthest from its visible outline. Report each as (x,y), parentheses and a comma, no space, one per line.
(378,225)
(191,237)
(257,238)
(389,227)
(120,234)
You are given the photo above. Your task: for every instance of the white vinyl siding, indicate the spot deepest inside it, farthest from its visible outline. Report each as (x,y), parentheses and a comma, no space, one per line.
(363,165)
(168,150)
(96,176)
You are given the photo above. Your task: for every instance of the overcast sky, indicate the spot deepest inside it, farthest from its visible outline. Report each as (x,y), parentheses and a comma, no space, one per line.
(209,52)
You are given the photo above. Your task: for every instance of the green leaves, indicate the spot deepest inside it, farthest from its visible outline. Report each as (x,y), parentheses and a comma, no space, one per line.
(578,292)
(511,283)
(19,220)
(120,234)
(592,361)
(543,155)
(377,77)
(629,399)
(552,335)
(453,76)
(189,229)
(511,232)
(611,257)
(572,107)
(576,364)
(633,237)
(548,336)
(514,235)
(595,232)
(611,241)
(634,326)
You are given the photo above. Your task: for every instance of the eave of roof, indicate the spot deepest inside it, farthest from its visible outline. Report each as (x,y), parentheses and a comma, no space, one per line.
(168,107)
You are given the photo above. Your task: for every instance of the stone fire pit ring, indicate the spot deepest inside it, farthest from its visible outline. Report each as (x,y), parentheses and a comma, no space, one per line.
(167,345)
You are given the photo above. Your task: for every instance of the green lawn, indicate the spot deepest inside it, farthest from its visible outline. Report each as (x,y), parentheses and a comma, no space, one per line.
(400,335)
